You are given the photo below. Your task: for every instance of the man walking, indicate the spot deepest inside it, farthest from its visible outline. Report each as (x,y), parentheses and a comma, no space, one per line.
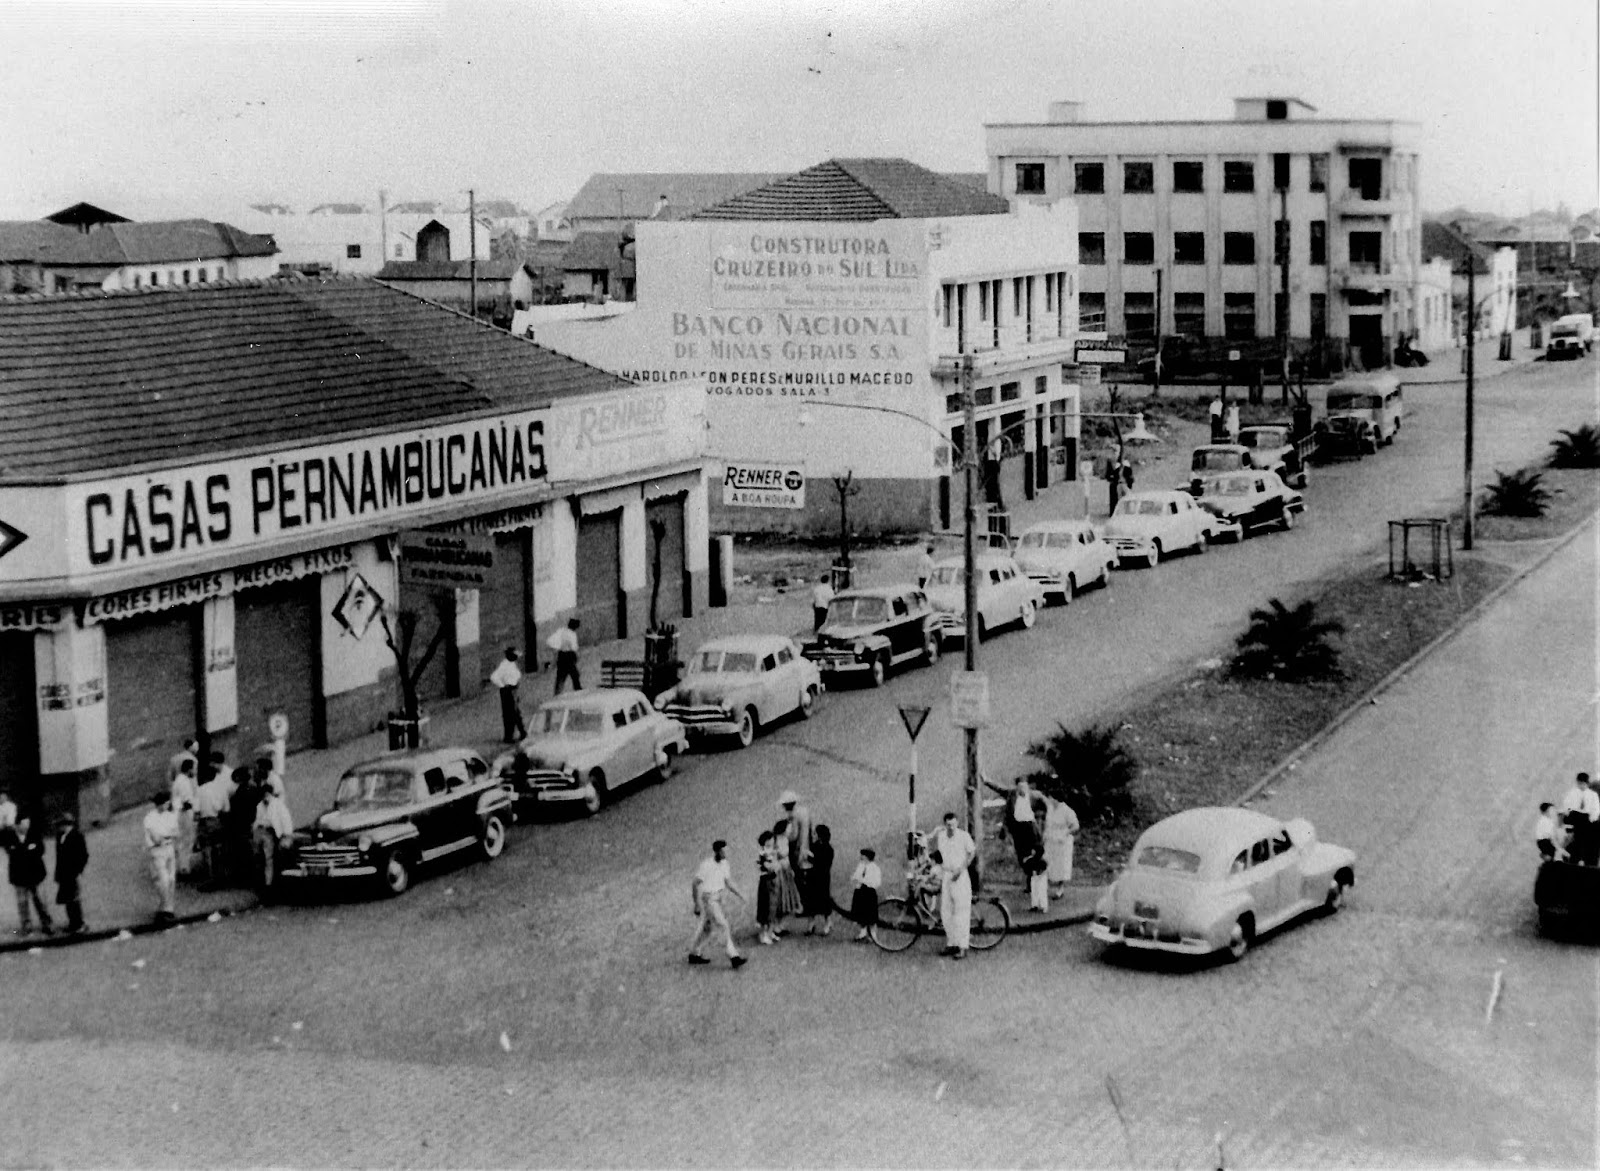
(161,843)
(925,567)
(507,676)
(565,644)
(710,880)
(72,859)
(27,872)
(956,850)
(821,597)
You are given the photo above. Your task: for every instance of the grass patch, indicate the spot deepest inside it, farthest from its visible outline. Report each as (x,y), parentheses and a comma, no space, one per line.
(1574,495)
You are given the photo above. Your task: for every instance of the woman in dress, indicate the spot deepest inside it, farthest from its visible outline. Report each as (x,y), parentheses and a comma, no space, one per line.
(818,892)
(789,903)
(1060,825)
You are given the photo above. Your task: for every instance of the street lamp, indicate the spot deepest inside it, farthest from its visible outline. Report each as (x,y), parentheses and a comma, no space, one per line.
(970,456)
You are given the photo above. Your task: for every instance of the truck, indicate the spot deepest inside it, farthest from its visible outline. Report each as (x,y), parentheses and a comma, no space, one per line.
(1571,336)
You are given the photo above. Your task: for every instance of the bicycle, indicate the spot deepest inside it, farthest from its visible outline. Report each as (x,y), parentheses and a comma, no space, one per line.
(901,922)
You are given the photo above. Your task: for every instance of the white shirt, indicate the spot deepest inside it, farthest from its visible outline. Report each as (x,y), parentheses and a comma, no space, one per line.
(273,814)
(1544,830)
(868,874)
(160,829)
(1582,799)
(565,639)
(275,782)
(821,595)
(955,850)
(214,797)
(8,813)
(925,566)
(713,876)
(506,674)
(1022,809)
(184,792)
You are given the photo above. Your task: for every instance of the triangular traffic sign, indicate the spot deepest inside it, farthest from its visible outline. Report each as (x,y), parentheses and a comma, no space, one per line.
(913,718)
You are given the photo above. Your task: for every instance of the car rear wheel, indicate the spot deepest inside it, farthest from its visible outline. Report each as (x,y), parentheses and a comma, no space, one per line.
(396,874)
(747,727)
(1029,614)
(880,669)
(1240,938)
(1335,899)
(494,836)
(983,628)
(595,800)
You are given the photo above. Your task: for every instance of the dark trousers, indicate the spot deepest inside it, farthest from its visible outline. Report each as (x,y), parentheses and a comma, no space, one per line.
(511,715)
(567,668)
(26,896)
(819,615)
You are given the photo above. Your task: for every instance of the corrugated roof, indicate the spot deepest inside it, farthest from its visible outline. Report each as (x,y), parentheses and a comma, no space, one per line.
(858,190)
(635,195)
(100,383)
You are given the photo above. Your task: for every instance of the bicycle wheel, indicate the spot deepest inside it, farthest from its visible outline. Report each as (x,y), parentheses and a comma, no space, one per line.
(898,925)
(990,922)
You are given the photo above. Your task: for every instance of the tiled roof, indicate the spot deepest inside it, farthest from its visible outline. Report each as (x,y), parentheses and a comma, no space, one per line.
(978,179)
(32,239)
(115,245)
(448,270)
(597,251)
(99,383)
(1445,242)
(857,190)
(635,195)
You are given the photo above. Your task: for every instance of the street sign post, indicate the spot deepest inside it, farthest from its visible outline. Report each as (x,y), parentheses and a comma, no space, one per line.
(913,718)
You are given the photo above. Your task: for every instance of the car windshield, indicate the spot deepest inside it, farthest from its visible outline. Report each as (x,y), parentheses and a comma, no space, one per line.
(570,721)
(1263,438)
(1353,402)
(711,662)
(1563,331)
(361,790)
(1233,486)
(1343,423)
(852,611)
(1140,508)
(1216,461)
(946,575)
(1167,858)
(1061,540)
(1032,541)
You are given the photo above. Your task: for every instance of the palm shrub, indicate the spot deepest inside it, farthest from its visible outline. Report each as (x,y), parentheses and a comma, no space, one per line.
(1288,645)
(1518,493)
(1577,449)
(1091,770)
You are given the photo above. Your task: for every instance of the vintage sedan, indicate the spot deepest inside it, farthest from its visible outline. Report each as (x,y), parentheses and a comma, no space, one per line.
(1065,556)
(1005,594)
(874,629)
(1345,435)
(1148,525)
(738,684)
(583,746)
(1251,500)
(1217,879)
(401,811)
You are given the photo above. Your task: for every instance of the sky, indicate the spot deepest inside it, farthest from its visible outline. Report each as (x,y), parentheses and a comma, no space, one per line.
(158,108)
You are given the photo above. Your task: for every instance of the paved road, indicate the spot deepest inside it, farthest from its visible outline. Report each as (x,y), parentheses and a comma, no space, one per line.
(825,1052)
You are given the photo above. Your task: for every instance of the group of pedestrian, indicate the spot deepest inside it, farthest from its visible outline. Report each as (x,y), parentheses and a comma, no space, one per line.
(23,839)
(231,826)
(1571,831)
(1042,829)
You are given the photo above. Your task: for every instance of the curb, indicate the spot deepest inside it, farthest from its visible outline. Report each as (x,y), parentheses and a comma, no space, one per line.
(1365,699)
(108,934)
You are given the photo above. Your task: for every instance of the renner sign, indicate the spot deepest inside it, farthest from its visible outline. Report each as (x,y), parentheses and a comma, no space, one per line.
(758,485)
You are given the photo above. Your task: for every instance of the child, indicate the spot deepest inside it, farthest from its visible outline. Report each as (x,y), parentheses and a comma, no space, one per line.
(864,884)
(819,883)
(1547,836)
(766,887)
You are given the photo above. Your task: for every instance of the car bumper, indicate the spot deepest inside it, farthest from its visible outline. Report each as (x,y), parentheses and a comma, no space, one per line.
(317,872)
(1050,583)
(1149,938)
(1127,547)
(700,720)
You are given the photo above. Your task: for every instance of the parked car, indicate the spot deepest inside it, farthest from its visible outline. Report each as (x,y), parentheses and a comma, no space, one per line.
(583,746)
(1345,435)
(1148,525)
(735,685)
(1273,449)
(1212,879)
(873,630)
(1005,594)
(1252,500)
(399,812)
(1571,336)
(1065,556)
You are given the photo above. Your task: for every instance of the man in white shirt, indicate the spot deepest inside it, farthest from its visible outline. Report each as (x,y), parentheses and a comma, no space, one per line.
(821,596)
(271,833)
(710,880)
(211,805)
(189,751)
(161,843)
(956,851)
(507,676)
(1580,809)
(565,644)
(184,794)
(1547,836)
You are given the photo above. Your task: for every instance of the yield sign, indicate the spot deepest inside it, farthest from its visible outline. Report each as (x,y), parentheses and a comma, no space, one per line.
(913,718)
(10,538)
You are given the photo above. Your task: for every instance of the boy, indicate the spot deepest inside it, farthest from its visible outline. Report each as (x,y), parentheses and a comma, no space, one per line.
(1547,837)
(864,884)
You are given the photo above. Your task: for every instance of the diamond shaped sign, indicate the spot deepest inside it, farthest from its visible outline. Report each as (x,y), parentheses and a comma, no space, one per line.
(357,606)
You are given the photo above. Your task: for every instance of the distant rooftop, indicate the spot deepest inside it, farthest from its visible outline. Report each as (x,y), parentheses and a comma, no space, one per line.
(859,190)
(638,195)
(120,243)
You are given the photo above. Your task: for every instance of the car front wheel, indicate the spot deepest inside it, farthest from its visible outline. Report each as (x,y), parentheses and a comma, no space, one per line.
(930,647)
(1155,554)
(494,836)
(595,799)
(666,764)
(808,702)
(1068,589)
(1029,613)
(1335,899)
(880,669)
(1240,937)
(1288,519)
(747,727)
(396,874)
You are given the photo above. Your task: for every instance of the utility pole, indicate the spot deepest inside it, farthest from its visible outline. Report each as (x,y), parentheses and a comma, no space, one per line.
(472,236)
(383,227)
(1283,279)
(1157,387)
(969,408)
(1472,322)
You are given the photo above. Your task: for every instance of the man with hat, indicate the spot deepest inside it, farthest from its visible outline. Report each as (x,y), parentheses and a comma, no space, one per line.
(72,859)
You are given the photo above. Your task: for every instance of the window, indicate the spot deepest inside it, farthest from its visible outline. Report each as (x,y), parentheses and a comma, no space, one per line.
(1260,852)
(1016,297)
(1138,178)
(185,276)
(949,292)
(1092,312)
(138,280)
(1280,172)
(1030,178)
(1041,384)
(1319,241)
(1281,844)
(1319,316)
(155,278)
(1089,178)
(1139,316)
(1277,110)
(434,778)
(785,655)
(219,272)
(770,662)
(1366,177)
(984,396)
(399,251)
(952,404)
(1280,318)
(352,251)
(200,273)
(1238,248)
(1188,248)
(1091,247)
(1280,242)
(1319,172)
(1238,315)
(1189,314)
(1049,292)
(1366,247)
(1241,862)
(898,607)
(1138,248)
(1238,176)
(1010,391)
(1188,176)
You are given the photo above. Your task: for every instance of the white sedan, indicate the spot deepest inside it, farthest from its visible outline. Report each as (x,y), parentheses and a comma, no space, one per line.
(1065,556)
(1005,594)
(1149,525)
(737,684)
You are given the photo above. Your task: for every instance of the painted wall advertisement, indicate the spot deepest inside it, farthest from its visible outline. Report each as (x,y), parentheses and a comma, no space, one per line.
(764,485)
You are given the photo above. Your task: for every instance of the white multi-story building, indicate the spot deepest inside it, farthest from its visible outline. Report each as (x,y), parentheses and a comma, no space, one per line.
(1193,211)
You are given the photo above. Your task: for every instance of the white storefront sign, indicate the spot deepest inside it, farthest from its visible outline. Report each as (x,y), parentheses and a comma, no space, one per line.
(764,485)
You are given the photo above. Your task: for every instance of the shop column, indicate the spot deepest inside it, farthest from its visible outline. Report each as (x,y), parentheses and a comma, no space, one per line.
(70,669)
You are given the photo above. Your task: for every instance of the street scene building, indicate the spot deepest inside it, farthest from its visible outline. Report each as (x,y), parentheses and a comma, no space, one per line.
(827,312)
(1210,206)
(203,493)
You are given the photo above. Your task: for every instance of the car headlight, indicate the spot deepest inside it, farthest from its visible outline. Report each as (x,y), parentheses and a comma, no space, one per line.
(364,844)
(575,780)
(861,650)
